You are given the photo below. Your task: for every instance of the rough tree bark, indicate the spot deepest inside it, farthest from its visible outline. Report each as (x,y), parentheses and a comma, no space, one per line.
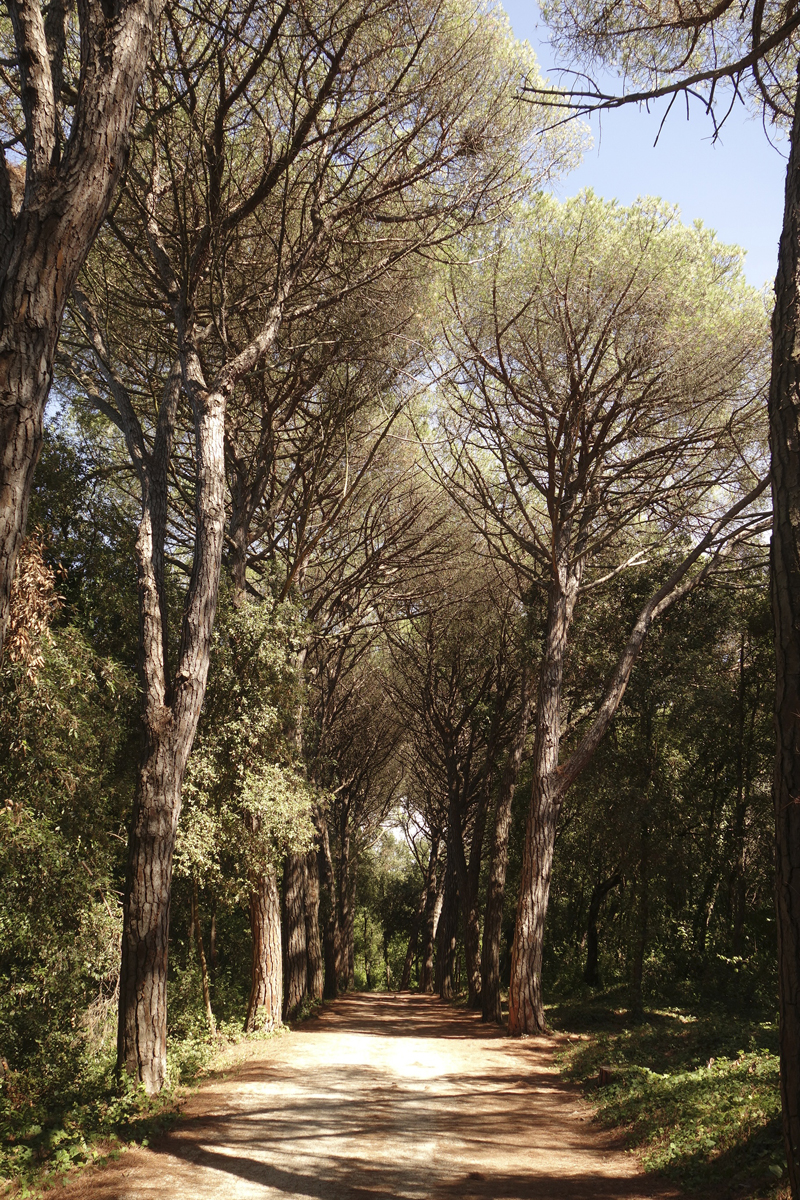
(491,1009)
(433,907)
(328,910)
(295,972)
(784,432)
(447,933)
(315,969)
(266,965)
(45,240)
(171,712)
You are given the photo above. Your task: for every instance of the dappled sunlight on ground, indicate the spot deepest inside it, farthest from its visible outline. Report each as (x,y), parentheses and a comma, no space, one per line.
(381,1096)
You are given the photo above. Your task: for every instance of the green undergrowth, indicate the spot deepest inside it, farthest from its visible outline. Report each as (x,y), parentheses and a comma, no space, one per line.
(696,1093)
(47,1128)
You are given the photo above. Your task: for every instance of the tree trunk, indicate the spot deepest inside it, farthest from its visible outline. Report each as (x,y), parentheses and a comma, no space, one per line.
(328,911)
(142,1029)
(430,922)
(201,957)
(294,936)
(266,972)
(642,924)
(171,712)
(447,935)
(422,904)
(784,418)
(525,1002)
(347,890)
(591,974)
(491,1008)
(43,246)
(316,972)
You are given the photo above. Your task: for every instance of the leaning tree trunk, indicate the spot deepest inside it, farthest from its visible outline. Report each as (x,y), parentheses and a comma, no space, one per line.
(294,941)
(266,971)
(784,422)
(43,246)
(491,1008)
(315,968)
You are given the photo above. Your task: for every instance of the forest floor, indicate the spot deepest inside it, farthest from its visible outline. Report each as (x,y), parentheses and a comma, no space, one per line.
(381,1095)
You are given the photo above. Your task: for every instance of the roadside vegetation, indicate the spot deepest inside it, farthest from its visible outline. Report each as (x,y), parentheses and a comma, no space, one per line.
(694,1091)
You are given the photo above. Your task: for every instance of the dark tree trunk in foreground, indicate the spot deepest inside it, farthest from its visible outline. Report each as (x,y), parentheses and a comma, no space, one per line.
(295,972)
(44,239)
(447,935)
(315,970)
(266,971)
(591,973)
(491,1008)
(784,423)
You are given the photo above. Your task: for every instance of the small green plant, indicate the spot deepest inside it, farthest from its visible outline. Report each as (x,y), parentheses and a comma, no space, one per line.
(697,1093)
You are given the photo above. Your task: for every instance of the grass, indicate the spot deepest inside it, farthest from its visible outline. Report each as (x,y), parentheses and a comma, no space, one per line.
(696,1093)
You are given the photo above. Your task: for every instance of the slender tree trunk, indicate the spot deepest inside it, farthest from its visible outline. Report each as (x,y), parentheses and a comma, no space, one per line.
(201,958)
(422,904)
(430,922)
(447,934)
(642,926)
(266,968)
(468,895)
(316,971)
(491,1008)
(294,940)
(591,974)
(328,911)
(784,418)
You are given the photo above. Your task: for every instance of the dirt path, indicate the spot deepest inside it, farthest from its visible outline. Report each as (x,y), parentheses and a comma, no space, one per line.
(381,1096)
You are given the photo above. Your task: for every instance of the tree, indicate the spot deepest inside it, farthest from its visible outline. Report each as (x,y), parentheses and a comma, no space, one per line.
(601,388)
(68,102)
(668,51)
(340,150)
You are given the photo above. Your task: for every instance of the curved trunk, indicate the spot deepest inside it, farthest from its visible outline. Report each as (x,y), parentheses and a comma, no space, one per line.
(591,974)
(266,974)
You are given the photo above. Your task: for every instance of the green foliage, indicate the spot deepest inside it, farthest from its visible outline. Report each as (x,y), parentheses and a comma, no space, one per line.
(64,737)
(388,884)
(676,804)
(246,799)
(697,1092)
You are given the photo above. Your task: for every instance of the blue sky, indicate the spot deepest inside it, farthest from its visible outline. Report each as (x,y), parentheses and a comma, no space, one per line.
(735,185)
